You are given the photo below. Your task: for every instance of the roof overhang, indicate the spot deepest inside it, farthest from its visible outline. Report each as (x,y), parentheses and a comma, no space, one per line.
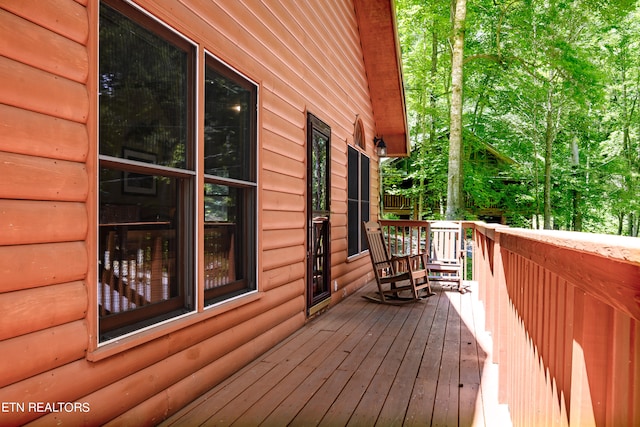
(382,60)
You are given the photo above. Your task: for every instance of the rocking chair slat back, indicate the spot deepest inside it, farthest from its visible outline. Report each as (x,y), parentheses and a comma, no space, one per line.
(392,270)
(446,241)
(445,251)
(377,249)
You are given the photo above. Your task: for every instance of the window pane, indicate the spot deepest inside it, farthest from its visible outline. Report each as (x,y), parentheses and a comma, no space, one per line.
(357,200)
(228,128)
(364,198)
(229,241)
(364,179)
(143,92)
(353,226)
(353,156)
(319,194)
(139,250)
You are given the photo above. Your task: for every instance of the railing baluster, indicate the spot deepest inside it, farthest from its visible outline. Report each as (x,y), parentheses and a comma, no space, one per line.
(564,316)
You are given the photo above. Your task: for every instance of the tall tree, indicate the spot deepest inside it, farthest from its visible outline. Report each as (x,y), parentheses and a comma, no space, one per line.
(622,149)
(455,200)
(424,28)
(532,90)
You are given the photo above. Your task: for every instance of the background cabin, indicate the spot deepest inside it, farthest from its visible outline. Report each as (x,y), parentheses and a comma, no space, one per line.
(183,186)
(488,197)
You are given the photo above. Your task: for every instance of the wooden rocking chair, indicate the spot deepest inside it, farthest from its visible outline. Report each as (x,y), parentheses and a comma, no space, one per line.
(390,270)
(445,252)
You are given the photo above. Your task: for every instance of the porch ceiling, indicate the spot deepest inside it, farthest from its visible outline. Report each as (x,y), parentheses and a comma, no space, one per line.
(382,60)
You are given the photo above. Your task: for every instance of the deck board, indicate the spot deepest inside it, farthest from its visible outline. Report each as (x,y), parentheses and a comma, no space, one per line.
(362,363)
(421,404)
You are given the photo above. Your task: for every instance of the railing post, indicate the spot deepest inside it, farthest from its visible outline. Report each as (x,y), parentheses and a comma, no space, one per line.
(500,300)
(564,313)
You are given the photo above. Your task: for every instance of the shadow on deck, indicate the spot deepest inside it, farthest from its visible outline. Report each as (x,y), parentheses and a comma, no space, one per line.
(361,364)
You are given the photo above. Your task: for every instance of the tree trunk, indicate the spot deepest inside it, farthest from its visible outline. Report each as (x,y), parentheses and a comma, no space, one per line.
(434,77)
(549,136)
(620,222)
(577,195)
(432,106)
(633,224)
(454,182)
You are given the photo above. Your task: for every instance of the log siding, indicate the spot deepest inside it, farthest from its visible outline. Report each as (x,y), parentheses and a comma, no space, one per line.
(306,58)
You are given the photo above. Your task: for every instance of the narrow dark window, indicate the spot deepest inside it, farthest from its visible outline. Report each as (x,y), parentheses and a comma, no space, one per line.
(364,198)
(358,199)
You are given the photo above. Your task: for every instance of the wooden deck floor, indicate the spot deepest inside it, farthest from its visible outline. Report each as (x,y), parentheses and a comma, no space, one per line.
(365,364)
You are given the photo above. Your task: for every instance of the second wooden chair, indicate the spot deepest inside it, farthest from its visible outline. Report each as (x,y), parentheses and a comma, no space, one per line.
(390,271)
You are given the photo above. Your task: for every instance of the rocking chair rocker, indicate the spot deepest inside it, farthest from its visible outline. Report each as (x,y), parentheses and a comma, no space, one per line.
(390,270)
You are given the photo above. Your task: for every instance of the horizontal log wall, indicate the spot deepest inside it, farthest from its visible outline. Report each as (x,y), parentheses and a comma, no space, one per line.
(563,309)
(43,220)
(44,107)
(22,312)
(305,59)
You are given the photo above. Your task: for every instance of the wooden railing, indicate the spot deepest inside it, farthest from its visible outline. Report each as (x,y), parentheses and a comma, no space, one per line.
(564,312)
(404,237)
(393,201)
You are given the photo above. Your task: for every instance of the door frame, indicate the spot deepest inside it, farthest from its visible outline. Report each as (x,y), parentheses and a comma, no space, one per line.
(318,224)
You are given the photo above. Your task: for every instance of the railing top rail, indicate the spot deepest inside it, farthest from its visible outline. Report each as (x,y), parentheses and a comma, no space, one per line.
(604,266)
(404,222)
(570,301)
(621,248)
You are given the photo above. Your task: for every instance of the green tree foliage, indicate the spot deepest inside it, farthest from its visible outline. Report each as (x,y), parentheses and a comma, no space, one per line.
(553,85)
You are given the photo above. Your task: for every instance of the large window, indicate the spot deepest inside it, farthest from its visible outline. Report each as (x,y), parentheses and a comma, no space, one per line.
(358,201)
(148,179)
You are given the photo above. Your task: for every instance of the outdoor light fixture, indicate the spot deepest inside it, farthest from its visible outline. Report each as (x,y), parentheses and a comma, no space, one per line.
(381,147)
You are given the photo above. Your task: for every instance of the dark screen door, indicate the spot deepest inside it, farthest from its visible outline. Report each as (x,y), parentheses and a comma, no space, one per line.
(318,215)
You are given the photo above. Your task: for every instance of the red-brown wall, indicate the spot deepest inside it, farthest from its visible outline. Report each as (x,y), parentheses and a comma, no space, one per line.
(306,58)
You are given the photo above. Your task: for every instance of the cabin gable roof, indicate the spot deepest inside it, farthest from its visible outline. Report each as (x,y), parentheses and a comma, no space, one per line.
(382,60)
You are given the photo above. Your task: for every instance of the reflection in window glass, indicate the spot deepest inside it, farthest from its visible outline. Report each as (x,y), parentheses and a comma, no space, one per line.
(220,203)
(223,263)
(143,91)
(229,114)
(145,258)
(358,199)
(138,249)
(320,198)
(230,188)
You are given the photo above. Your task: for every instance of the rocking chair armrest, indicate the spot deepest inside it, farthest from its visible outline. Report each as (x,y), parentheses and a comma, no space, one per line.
(404,257)
(410,262)
(398,259)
